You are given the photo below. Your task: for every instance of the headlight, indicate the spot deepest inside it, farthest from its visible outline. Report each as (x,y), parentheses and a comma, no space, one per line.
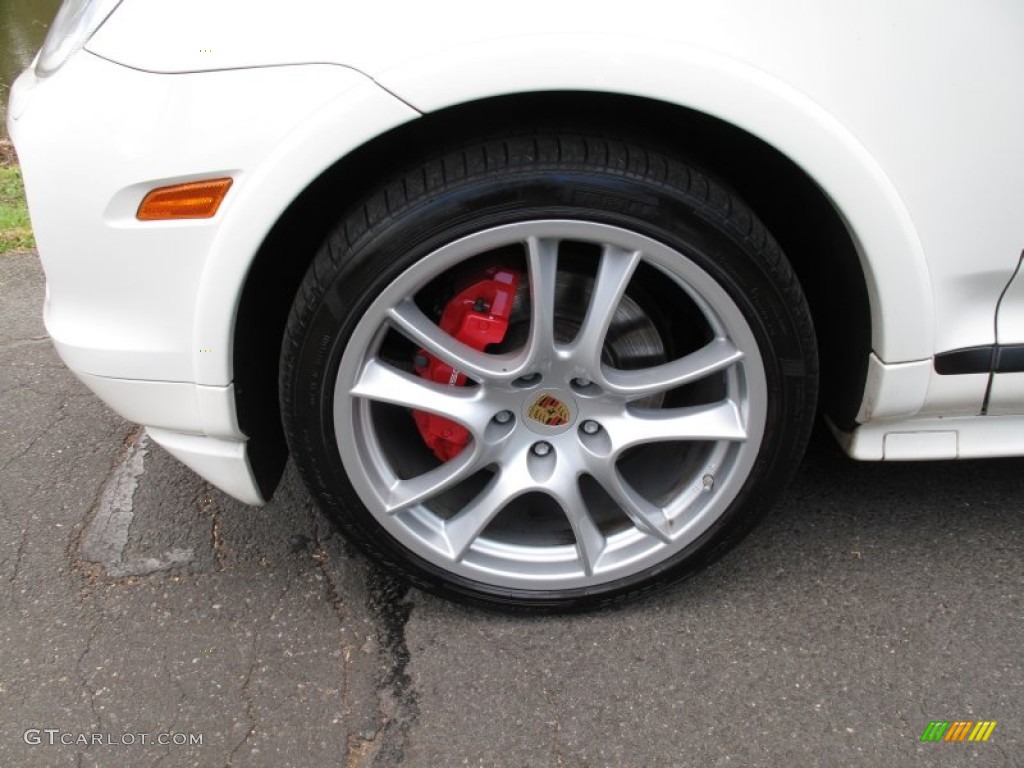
(76,22)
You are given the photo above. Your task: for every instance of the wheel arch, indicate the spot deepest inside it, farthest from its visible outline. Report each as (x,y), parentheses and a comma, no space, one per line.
(805,218)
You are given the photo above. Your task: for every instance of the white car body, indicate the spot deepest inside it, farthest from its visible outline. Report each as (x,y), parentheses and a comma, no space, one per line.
(907,116)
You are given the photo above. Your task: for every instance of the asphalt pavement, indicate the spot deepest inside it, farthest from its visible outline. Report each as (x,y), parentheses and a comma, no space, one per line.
(142,605)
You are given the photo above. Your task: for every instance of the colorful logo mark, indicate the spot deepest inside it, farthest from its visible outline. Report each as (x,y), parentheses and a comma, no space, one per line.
(550,411)
(958,730)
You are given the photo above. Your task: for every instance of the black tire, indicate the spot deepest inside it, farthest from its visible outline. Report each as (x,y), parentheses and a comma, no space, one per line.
(517,178)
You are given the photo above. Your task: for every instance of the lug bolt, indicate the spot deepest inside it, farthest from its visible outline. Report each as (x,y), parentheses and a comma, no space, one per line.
(541,448)
(582,382)
(527,381)
(503,417)
(591,427)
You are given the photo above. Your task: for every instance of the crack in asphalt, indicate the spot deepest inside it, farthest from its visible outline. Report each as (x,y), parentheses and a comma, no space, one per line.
(182,697)
(18,555)
(390,607)
(250,704)
(247,698)
(84,678)
(220,547)
(38,436)
(56,393)
(321,558)
(357,747)
(28,340)
(22,542)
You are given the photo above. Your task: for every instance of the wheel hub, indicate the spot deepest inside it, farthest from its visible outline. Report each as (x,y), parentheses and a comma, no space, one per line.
(549,412)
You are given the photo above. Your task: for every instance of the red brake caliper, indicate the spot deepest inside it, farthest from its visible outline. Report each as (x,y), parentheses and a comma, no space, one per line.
(477,316)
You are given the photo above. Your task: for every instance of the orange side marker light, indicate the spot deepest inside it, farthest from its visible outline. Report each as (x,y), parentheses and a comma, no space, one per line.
(195,200)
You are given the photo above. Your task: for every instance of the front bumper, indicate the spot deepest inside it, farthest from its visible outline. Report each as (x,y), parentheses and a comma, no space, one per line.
(143,312)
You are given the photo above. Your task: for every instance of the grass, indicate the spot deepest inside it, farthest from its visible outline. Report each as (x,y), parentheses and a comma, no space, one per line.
(15,228)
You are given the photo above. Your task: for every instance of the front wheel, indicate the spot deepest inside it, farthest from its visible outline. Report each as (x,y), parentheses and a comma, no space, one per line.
(548,371)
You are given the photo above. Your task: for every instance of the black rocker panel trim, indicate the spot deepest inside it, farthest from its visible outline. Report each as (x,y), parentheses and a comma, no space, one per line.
(1010,358)
(990,358)
(963,361)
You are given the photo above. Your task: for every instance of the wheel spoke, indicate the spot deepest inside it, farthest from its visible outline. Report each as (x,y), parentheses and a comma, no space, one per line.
(590,542)
(410,320)
(465,527)
(542,256)
(613,276)
(405,493)
(719,421)
(711,358)
(382,383)
(646,516)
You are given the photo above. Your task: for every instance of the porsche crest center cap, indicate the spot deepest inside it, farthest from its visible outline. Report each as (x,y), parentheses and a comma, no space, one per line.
(549,412)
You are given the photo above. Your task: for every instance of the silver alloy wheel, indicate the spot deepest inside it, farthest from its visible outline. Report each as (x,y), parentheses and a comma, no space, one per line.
(516,460)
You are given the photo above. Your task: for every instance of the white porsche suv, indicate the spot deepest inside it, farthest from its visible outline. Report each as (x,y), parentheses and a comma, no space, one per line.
(541,299)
